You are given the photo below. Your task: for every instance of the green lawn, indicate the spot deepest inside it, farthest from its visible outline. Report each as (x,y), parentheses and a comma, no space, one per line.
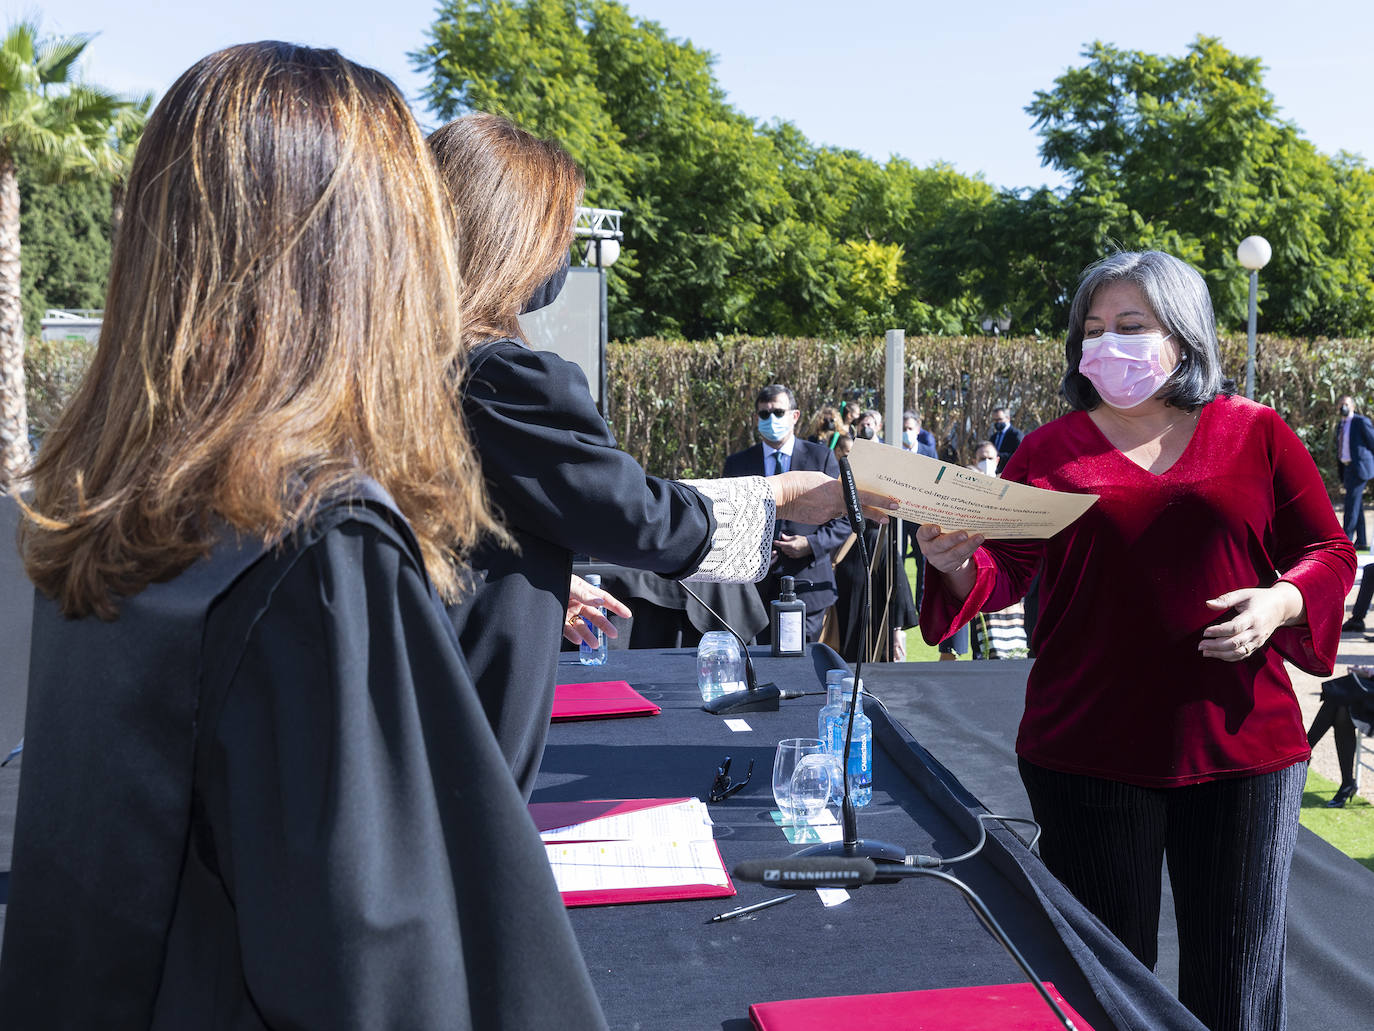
(1350,829)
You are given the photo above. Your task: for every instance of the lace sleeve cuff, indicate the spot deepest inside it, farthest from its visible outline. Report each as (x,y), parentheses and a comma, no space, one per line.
(743,542)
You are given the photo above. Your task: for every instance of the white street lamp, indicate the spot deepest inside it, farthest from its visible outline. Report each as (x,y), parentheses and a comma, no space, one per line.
(602,253)
(1254,253)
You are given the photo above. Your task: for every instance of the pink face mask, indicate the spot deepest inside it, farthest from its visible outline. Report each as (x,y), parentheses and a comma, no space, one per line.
(1124,367)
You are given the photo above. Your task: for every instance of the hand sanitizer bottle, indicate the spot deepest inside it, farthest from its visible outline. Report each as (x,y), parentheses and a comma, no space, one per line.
(788,621)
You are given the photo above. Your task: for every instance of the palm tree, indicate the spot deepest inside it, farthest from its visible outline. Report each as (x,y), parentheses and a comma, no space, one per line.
(127,131)
(58,128)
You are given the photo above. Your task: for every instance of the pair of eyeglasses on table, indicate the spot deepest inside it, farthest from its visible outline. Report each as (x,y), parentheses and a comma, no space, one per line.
(721,787)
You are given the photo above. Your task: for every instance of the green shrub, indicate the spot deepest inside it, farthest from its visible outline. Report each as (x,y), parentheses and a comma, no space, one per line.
(680,407)
(53,369)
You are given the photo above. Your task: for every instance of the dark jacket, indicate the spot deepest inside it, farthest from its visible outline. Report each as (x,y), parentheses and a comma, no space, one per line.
(814,569)
(1007,443)
(1361,465)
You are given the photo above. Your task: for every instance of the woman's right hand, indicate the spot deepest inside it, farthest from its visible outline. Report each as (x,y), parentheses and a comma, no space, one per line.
(952,554)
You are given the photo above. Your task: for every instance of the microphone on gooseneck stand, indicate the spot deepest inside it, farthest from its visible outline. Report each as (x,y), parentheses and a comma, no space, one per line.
(851,845)
(755,697)
(815,871)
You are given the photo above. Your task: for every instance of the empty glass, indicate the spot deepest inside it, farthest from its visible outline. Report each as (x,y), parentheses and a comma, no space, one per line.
(815,782)
(720,665)
(801,786)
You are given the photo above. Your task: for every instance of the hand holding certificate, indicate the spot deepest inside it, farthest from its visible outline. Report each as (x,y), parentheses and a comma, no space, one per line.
(931,491)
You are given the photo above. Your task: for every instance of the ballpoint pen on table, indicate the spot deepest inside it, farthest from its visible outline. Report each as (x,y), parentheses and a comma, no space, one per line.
(750,909)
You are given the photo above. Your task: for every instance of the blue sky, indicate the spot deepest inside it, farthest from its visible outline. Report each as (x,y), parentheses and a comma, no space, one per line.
(929,81)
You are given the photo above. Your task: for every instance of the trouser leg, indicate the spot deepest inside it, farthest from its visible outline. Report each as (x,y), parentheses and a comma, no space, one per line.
(1343,737)
(1365,595)
(1353,523)
(1105,841)
(1230,849)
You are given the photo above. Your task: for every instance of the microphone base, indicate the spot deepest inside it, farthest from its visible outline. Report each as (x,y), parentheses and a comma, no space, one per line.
(763,698)
(865,848)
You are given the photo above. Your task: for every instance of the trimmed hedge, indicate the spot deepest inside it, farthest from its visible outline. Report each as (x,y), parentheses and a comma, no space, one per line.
(680,407)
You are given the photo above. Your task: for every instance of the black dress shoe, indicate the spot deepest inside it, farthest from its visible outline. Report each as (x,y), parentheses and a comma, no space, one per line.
(1353,625)
(1343,795)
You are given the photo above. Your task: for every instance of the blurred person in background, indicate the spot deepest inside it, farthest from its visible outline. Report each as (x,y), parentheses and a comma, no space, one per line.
(1005,437)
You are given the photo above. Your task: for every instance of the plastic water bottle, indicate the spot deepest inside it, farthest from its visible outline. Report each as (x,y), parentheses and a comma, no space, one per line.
(834,688)
(860,771)
(593,656)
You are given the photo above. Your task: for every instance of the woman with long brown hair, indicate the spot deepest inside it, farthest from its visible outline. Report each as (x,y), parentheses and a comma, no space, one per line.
(552,467)
(259,790)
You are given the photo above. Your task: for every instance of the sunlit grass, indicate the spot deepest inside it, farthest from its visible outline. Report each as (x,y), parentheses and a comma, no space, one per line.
(1350,829)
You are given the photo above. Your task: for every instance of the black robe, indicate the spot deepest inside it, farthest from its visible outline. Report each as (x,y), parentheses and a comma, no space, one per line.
(892,606)
(267,796)
(561,486)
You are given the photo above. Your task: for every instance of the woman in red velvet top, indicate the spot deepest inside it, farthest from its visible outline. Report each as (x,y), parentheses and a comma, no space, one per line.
(1159,723)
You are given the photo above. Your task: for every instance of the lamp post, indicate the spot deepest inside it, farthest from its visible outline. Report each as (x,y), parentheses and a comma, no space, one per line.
(601,226)
(1254,253)
(996,325)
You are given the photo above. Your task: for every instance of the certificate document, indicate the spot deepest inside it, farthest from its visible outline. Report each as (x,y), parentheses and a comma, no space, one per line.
(955,498)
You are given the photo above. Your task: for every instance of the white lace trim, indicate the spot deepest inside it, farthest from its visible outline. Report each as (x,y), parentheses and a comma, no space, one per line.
(743,542)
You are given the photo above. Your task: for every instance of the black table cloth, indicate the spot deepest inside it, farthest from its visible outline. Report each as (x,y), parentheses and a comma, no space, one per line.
(661,965)
(971,712)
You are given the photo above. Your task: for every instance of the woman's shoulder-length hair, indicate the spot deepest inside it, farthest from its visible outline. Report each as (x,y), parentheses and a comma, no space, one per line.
(1178,296)
(281,316)
(515,198)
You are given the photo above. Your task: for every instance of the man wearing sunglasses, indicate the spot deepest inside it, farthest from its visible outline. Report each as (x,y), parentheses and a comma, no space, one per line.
(800,550)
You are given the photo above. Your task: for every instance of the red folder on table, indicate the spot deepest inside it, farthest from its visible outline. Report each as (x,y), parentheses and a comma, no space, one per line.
(1000,1007)
(612,851)
(599,701)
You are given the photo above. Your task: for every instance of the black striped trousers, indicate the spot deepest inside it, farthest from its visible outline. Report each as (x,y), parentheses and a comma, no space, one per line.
(1229,845)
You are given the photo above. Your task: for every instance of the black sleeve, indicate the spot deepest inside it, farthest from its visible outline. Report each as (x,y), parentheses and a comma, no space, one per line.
(553,468)
(381,864)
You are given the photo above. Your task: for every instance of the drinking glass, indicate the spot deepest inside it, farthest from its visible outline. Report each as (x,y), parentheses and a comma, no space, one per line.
(815,782)
(797,796)
(720,665)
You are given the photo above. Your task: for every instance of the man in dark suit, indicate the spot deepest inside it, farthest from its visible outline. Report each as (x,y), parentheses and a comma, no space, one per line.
(1355,463)
(1004,436)
(800,550)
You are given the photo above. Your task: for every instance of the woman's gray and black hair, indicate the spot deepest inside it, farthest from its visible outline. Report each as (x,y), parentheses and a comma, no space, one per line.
(1178,296)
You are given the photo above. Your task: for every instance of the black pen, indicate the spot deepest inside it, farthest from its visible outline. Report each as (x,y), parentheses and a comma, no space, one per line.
(750,909)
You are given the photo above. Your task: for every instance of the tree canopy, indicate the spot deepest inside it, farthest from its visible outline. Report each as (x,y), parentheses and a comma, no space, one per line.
(735,225)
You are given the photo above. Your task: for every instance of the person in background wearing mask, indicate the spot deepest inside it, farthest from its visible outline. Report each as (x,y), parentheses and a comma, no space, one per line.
(800,550)
(985,459)
(916,439)
(923,443)
(1005,437)
(1355,466)
(827,427)
(1160,724)
(850,412)
(869,426)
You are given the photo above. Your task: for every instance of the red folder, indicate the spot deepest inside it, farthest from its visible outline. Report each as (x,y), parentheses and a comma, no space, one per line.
(551,815)
(599,701)
(1001,1007)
